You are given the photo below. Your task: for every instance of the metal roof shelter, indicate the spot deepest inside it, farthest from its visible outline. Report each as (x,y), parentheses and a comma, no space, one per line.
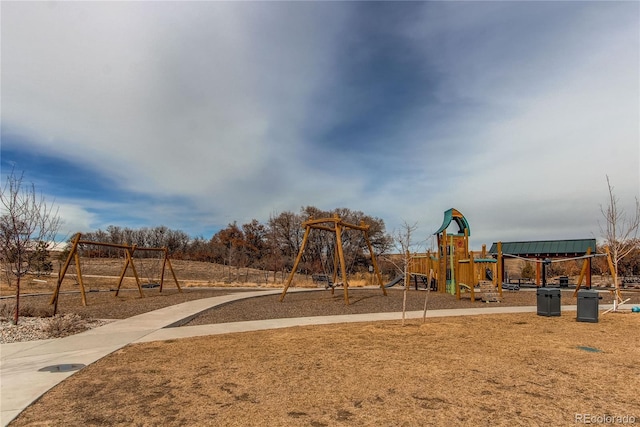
(547,248)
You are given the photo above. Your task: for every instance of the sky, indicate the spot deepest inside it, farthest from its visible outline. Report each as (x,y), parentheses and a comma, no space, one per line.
(193,115)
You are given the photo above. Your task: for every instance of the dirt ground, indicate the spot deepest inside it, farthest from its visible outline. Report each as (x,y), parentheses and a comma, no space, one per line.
(495,370)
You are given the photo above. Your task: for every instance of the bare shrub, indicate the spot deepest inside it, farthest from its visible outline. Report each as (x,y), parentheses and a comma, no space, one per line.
(36,311)
(7,310)
(64,325)
(28,310)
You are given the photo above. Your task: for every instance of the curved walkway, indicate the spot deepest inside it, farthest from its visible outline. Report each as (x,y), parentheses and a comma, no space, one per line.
(23,379)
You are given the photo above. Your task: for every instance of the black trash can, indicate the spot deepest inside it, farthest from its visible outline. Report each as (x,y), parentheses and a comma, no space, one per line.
(548,302)
(564,281)
(588,305)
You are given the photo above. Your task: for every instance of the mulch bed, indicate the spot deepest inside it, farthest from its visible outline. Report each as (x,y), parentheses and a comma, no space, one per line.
(323,303)
(104,305)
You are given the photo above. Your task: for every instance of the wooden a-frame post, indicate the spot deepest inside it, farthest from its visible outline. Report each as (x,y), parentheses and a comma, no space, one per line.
(307,230)
(61,274)
(129,250)
(584,271)
(343,268)
(166,261)
(338,226)
(374,261)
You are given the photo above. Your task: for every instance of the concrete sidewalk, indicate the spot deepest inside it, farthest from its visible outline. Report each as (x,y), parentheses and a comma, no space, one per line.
(21,364)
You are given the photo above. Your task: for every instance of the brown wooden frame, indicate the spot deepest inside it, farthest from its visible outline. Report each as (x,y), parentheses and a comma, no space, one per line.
(335,225)
(129,250)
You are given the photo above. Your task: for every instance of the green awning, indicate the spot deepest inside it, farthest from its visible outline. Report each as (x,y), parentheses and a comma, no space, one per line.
(547,248)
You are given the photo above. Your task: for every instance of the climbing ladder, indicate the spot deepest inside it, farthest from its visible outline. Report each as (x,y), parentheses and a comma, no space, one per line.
(489,292)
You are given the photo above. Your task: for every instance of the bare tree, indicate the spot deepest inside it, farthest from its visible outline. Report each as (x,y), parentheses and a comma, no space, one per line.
(403,240)
(26,221)
(620,234)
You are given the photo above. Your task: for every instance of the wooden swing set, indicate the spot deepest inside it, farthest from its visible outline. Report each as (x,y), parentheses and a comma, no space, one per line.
(335,225)
(128,250)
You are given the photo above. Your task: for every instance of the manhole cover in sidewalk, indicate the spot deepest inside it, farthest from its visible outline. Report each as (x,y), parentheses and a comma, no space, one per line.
(66,367)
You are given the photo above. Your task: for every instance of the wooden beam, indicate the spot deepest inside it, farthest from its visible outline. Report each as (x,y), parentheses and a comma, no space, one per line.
(336,221)
(374,262)
(307,230)
(312,221)
(164,264)
(466,243)
(361,227)
(322,227)
(109,245)
(122,273)
(336,263)
(452,266)
(135,272)
(80,281)
(472,267)
(500,266)
(343,268)
(612,269)
(586,264)
(129,262)
(442,262)
(175,279)
(63,272)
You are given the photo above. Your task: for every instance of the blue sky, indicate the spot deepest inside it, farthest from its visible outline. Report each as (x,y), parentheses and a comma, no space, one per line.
(196,114)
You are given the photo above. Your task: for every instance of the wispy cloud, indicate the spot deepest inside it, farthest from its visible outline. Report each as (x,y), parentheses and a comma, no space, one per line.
(196,114)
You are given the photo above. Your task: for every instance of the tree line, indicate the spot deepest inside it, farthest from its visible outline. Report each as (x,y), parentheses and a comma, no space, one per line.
(270,246)
(274,245)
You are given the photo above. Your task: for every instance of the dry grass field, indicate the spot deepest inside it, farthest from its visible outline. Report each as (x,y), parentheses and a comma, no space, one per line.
(493,370)
(496,370)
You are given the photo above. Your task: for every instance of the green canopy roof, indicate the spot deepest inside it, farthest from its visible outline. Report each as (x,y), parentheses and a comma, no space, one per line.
(454,215)
(546,248)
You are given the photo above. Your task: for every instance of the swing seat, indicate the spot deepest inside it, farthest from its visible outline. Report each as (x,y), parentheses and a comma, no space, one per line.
(322,278)
(151,285)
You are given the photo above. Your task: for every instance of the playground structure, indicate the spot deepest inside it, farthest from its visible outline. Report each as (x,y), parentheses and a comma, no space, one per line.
(129,251)
(454,267)
(335,226)
(457,270)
